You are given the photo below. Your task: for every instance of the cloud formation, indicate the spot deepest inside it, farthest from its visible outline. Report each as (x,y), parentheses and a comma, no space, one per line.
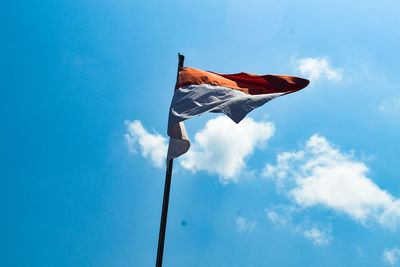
(243,224)
(316,68)
(321,175)
(276,218)
(282,216)
(153,146)
(390,105)
(222,146)
(319,237)
(390,256)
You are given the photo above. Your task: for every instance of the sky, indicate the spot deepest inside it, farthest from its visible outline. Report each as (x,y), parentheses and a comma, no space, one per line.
(308,179)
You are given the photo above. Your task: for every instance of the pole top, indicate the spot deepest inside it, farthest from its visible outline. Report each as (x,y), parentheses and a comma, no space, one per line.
(181,60)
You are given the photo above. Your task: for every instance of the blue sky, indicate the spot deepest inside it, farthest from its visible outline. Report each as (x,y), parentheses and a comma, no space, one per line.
(86,87)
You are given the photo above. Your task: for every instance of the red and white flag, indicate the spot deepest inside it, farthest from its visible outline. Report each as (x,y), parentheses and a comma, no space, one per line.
(198,92)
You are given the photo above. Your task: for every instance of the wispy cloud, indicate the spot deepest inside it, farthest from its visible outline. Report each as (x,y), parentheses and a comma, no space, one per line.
(321,175)
(390,256)
(282,217)
(319,67)
(390,105)
(244,224)
(153,146)
(276,218)
(223,146)
(319,237)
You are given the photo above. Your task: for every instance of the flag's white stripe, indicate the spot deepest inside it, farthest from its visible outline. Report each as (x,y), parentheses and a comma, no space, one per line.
(194,100)
(179,142)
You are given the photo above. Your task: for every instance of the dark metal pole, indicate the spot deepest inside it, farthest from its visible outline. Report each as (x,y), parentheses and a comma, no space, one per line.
(167,186)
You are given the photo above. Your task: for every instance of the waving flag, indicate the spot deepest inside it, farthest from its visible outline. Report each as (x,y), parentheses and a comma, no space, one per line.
(198,92)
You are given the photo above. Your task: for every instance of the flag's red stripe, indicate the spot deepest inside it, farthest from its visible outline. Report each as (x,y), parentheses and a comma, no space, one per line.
(245,82)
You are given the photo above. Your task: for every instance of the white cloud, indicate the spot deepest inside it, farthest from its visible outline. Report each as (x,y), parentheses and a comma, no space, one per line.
(222,146)
(390,256)
(275,218)
(280,216)
(321,175)
(318,237)
(244,225)
(153,146)
(316,68)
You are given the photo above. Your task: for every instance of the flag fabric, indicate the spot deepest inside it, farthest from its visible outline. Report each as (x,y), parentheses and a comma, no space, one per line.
(179,142)
(198,92)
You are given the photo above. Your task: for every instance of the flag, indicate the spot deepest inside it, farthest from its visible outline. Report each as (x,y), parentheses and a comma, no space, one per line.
(198,92)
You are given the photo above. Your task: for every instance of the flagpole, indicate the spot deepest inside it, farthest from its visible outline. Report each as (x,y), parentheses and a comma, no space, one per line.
(167,186)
